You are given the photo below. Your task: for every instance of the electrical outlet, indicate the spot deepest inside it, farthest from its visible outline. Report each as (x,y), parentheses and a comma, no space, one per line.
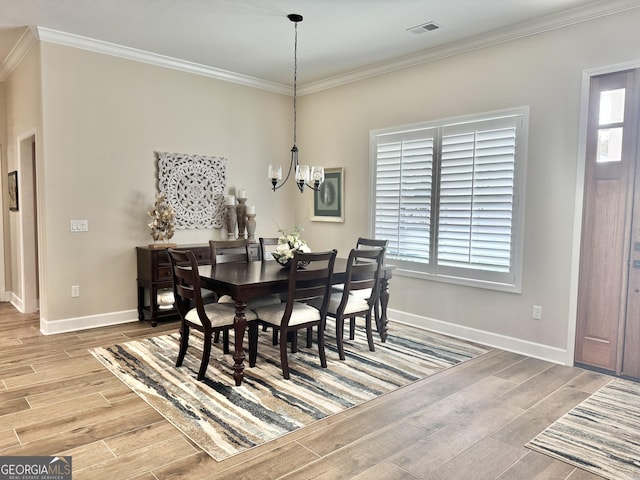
(75,290)
(537,312)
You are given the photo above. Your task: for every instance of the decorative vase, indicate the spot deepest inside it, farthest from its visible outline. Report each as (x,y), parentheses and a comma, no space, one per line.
(286,262)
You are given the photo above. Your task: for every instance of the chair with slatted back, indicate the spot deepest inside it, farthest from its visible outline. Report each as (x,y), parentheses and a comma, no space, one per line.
(365,244)
(237,251)
(368,243)
(208,318)
(267,245)
(362,275)
(311,282)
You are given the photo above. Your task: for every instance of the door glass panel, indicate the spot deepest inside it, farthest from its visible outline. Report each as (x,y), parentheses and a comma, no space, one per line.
(609,145)
(612,106)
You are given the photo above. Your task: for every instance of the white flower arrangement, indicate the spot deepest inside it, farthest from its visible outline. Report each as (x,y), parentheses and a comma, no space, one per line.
(288,245)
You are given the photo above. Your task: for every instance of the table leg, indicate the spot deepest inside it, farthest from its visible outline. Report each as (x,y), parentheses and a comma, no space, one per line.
(239,327)
(384,301)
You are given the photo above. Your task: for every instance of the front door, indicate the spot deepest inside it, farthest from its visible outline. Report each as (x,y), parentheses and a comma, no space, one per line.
(608,323)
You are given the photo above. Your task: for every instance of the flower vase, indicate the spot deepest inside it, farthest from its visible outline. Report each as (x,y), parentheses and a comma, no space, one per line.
(241,213)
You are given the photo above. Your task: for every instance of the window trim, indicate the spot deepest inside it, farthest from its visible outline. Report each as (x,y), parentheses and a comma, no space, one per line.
(412,269)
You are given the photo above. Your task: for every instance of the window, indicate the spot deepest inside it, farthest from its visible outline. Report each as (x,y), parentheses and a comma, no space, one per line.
(447,197)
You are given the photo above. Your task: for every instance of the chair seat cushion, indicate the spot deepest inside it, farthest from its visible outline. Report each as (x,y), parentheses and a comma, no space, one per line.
(355,304)
(363,293)
(220,314)
(302,313)
(261,301)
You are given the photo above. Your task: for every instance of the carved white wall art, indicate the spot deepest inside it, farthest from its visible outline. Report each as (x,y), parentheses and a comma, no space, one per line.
(194,185)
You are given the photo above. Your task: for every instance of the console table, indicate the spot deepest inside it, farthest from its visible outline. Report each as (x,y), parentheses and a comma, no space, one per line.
(154,274)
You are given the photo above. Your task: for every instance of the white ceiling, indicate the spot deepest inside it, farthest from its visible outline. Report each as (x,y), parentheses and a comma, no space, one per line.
(336,40)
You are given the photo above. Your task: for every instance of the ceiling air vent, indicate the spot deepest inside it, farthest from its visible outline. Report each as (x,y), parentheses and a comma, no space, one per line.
(425,27)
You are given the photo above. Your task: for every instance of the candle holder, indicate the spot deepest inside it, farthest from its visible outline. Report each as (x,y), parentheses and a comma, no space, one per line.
(241,213)
(231,222)
(251,226)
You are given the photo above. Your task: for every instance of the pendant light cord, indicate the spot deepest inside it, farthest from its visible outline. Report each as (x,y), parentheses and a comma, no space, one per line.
(295,81)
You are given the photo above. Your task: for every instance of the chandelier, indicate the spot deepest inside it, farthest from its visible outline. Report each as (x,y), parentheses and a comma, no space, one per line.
(312,177)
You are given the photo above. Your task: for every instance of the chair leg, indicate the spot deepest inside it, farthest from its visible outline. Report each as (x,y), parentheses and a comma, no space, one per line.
(225,340)
(309,337)
(321,352)
(339,333)
(275,336)
(294,341)
(184,344)
(369,332)
(283,354)
(253,343)
(216,337)
(206,353)
(352,328)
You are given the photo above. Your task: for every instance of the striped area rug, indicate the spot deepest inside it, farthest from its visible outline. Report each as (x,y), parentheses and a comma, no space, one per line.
(601,435)
(225,420)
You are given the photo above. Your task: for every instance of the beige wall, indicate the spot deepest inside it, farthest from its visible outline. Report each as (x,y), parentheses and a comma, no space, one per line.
(103,119)
(542,71)
(4,278)
(23,118)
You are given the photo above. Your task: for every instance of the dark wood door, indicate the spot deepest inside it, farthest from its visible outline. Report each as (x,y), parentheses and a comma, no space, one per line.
(609,288)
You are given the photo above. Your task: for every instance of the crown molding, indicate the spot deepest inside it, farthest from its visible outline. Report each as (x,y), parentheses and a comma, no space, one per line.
(26,41)
(85,43)
(592,11)
(544,24)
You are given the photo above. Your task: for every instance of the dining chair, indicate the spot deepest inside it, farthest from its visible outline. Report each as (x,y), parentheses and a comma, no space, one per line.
(265,248)
(311,282)
(208,318)
(368,244)
(362,275)
(237,251)
(266,244)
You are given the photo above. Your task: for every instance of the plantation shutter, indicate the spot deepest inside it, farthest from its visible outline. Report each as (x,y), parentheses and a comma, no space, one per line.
(404,163)
(476,201)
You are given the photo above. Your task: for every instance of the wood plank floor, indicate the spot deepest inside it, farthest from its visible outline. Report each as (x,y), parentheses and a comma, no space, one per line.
(468,422)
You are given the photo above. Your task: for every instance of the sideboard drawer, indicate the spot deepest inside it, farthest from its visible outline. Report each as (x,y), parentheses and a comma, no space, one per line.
(164,274)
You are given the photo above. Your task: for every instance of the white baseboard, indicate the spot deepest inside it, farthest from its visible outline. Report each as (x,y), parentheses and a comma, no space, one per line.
(92,321)
(503,342)
(16,302)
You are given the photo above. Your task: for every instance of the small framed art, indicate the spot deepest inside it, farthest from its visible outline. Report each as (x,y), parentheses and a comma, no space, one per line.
(13,191)
(328,201)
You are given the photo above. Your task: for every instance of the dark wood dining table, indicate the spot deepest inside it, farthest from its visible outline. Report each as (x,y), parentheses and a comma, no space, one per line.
(244,281)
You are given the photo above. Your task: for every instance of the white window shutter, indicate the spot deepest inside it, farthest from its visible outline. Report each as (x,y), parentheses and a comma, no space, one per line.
(476,195)
(403,194)
(446,198)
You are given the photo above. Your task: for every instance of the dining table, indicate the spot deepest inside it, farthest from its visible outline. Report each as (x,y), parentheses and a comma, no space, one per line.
(246,280)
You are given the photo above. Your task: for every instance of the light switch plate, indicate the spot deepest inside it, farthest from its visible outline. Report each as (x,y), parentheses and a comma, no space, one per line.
(79,225)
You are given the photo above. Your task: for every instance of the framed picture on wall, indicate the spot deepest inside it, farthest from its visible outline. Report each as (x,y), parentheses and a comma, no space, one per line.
(13,191)
(328,201)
